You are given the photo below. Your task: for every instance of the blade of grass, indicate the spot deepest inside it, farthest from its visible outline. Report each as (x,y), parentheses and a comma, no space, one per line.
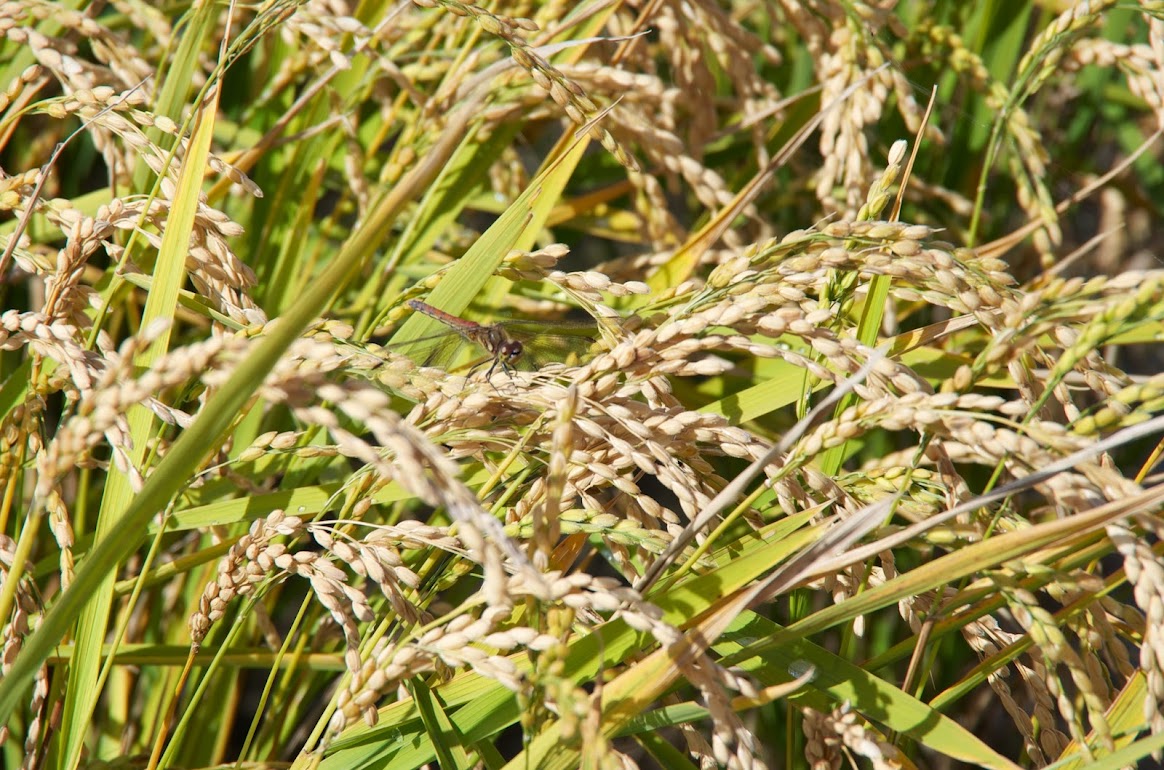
(447,199)
(517,228)
(441,732)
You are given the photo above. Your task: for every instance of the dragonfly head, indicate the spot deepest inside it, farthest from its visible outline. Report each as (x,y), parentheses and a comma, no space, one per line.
(510,351)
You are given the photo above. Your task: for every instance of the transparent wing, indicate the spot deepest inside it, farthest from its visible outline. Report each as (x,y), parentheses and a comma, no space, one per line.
(547,342)
(444,349)
(542,343)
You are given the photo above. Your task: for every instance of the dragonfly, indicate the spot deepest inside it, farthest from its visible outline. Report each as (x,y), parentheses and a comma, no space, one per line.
(506,342)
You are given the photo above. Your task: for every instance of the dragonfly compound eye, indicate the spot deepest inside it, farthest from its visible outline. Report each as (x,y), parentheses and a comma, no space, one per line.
(511,350)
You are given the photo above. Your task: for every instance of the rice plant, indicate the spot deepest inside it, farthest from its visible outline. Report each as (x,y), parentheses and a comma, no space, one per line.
(850,460)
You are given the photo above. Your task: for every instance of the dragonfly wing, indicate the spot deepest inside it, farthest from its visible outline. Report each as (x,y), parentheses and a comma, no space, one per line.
(541,343)
(566,328)
(541,349)
(443,350)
